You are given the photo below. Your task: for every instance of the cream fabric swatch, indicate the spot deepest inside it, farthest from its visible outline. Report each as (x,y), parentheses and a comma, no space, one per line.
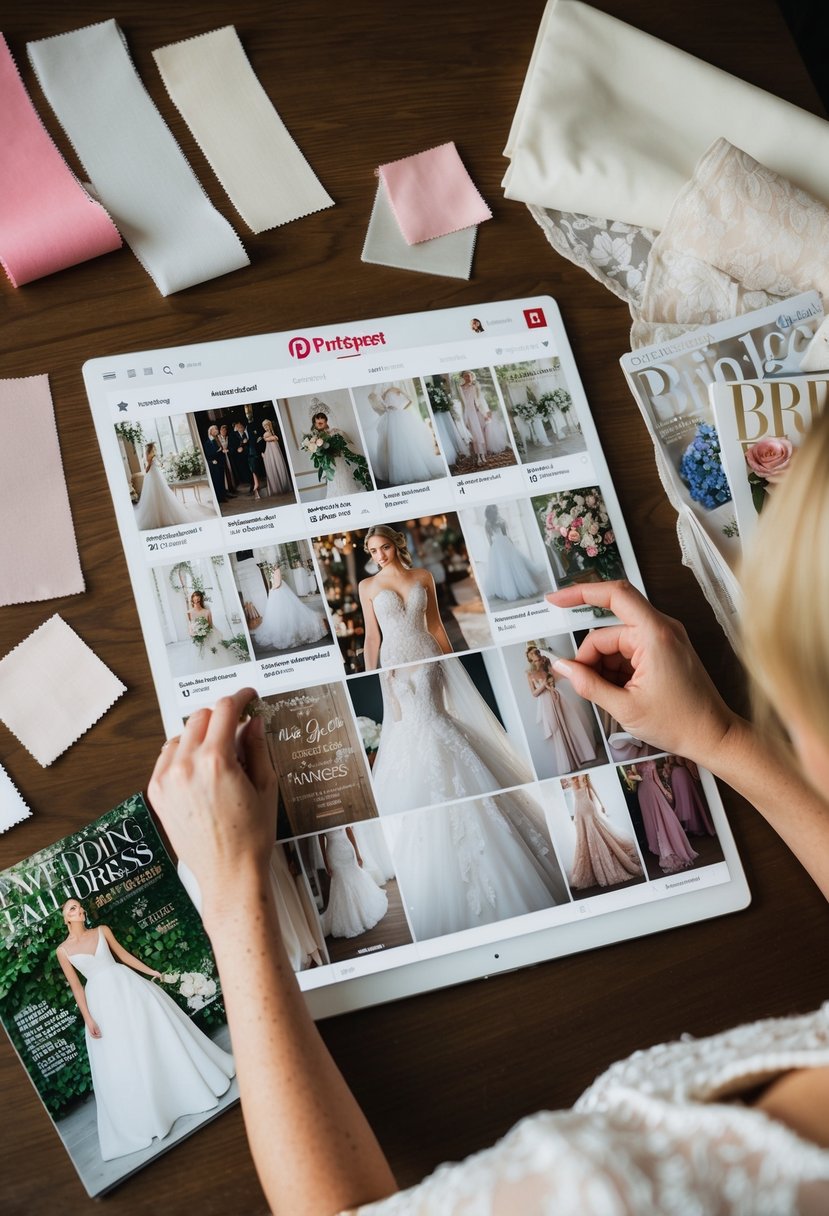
(38,551)
(385,245)
(249,148)
(137,169)
(12,807)
(611,121)
(53,688)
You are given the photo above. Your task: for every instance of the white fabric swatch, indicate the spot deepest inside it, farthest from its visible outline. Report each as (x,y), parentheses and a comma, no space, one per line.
(611,121)
(53,688)
(385,245)
(12,807)
(249,148)
(137,169)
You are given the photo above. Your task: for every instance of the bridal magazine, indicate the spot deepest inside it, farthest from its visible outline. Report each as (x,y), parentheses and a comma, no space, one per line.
(670,382)
(362,522)
(110,996)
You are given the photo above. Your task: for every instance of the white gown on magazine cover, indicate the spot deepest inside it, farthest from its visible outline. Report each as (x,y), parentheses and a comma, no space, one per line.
(474,863)
(355,902)
(151,1064)
(158,506)
(287,622)
(405,451)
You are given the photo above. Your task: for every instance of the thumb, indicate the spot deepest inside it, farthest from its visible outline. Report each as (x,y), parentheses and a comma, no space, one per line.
(593,687)
(258,763)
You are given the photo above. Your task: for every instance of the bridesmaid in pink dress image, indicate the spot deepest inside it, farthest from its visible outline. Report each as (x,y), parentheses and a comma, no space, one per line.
(572,744)
(689,804)
(666,838)
(604,857)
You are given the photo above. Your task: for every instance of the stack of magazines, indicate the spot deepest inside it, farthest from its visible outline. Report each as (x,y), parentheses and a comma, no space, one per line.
(726,406)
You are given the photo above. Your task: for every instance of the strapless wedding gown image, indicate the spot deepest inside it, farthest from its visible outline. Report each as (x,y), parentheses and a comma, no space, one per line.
(603,855)
(403,626)
(404,450)
(158,506)
(509,576)
(666,839)
(151,1064)
(355,902)
(287,622)
(276,470)
(474,863)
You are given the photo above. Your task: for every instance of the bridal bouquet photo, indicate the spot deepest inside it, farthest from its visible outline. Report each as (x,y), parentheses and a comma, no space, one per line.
(577,527)
(326,448)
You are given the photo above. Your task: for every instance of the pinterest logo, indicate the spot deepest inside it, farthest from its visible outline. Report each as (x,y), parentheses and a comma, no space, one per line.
(300,348)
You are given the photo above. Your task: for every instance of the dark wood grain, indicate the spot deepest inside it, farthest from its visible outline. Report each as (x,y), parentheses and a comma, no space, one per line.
(359,84)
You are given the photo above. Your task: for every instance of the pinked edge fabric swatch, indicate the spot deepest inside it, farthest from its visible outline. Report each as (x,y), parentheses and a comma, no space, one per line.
(12,807)
(248,146)
(432,194)
(38,551)
(47,220)
(53,688)
(137,169)
(449,255)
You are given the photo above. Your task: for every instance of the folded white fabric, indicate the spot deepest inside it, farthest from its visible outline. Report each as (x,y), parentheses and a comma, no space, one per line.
(137,169)
(612,121)
(12,807)
(53,688)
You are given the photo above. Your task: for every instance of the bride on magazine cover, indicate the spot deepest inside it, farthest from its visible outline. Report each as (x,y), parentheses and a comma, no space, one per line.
(355,902)
(509,575)
(473,863)
(405,450)
(150,1063)
(158,506)
(286,621)
(440,740)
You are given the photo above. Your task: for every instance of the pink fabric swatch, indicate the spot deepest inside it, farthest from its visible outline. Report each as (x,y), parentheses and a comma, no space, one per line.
(432,194)
(47,220)
(38,551)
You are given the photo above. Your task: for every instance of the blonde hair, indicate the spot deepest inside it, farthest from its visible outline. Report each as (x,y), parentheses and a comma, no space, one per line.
(785,581)
(386,533)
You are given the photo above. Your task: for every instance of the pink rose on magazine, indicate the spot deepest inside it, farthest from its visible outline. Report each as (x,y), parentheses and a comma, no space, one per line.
(769,458)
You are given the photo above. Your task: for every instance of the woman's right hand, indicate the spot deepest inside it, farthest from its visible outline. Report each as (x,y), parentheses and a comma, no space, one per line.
(94,1029)
(214,789)
(645,673)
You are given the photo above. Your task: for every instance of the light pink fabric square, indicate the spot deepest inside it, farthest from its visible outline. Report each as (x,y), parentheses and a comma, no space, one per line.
(432,194)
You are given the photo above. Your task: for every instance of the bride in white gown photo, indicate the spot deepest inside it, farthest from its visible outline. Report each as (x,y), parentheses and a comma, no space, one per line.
(158,506)
(209,650)
(403,450)
(286,622)
(355,902)
(150,1063)
(473,863)
(509,575)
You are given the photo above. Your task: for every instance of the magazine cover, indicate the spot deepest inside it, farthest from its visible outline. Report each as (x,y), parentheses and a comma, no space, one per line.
(761,423)
(110,996)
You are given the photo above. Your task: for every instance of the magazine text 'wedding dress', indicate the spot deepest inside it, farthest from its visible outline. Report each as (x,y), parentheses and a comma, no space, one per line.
(151,1064)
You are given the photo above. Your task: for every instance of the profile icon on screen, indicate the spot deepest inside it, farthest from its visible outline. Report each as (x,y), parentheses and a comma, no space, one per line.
(476,326)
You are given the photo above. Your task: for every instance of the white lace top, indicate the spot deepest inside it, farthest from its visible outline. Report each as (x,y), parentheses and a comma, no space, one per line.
(653,1135)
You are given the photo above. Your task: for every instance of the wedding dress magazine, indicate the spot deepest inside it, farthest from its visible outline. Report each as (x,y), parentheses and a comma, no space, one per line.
(100,922)
(670,382)
(448,808)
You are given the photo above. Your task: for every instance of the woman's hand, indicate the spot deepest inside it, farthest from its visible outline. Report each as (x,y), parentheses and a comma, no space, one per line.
(94,1029)
(214,789)
(645,673)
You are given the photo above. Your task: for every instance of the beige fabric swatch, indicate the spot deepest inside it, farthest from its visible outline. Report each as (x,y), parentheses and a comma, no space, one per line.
(248,146)
(611,121)
(38,551)
(53,688)
(12,807)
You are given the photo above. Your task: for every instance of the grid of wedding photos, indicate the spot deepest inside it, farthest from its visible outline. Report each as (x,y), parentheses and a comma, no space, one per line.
(374,558)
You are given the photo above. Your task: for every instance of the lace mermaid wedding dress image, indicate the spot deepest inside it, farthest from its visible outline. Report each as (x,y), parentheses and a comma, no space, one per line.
(355,902)
(474,863)
(603,855)
(151,1064)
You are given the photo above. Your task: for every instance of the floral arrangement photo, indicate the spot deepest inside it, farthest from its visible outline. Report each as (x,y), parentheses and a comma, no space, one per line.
(577,526)
(325,448)
(702,470)
(768,461)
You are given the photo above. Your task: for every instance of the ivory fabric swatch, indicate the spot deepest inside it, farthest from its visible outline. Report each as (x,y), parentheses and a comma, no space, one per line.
(53,688)
(432,194)
(47,220)
(38,551)
(385,245)
(12,807)
(612,121)
(135,165)
(249,148)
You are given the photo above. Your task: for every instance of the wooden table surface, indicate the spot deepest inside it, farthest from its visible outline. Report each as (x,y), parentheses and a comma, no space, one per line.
(359,84)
